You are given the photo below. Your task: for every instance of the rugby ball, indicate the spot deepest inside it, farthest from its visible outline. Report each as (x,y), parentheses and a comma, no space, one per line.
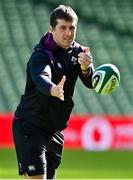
(106,79)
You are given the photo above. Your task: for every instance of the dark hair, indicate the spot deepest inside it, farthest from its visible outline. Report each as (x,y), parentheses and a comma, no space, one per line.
(62,12)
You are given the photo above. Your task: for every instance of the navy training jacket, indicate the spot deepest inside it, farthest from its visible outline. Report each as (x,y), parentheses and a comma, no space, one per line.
(37,106)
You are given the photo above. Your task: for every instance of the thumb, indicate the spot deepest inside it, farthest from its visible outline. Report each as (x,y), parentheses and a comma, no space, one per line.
(87,50)
(62,81)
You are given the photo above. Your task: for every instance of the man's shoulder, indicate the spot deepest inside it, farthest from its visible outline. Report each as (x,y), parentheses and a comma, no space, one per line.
(40,55)
(41,51)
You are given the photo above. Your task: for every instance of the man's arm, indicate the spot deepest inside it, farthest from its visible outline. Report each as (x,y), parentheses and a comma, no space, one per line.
(86,64)
(39,67)
(42,76)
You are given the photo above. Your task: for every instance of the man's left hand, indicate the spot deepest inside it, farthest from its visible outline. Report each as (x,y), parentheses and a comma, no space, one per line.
(85,59)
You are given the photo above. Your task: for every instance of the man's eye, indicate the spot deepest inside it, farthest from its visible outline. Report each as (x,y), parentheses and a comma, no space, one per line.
(63,27)
(72,28)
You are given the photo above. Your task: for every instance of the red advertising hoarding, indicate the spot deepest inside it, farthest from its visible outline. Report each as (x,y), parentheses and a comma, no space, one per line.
(99,132)
(6,139)
(90,132)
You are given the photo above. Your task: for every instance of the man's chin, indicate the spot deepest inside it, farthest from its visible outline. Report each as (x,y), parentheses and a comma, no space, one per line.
(67,45)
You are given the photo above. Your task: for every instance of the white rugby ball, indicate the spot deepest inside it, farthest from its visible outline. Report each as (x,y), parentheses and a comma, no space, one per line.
(106,79)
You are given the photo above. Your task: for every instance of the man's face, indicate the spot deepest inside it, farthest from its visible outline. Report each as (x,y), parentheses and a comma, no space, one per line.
(64,32)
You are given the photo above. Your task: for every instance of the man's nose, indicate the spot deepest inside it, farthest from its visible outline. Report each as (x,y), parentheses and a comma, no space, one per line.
(68,32)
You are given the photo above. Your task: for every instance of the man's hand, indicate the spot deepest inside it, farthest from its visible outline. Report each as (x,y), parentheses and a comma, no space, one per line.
(85,59)
(57,90)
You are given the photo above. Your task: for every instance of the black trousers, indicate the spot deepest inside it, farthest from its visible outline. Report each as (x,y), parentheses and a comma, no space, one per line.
(38,151)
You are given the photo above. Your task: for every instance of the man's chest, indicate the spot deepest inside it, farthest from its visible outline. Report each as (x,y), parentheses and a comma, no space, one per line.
(65,64)
(66,60)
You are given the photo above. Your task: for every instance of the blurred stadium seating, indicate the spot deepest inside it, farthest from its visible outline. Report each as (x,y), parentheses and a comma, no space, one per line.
(105,26)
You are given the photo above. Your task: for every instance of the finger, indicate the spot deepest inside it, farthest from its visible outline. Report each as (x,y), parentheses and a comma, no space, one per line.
(81,54)
(62,81)
(84,56)
(60,90)
(87,50)
(61,97)
(81,60)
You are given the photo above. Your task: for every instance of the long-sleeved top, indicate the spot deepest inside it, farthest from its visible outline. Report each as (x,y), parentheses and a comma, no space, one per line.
(46,66)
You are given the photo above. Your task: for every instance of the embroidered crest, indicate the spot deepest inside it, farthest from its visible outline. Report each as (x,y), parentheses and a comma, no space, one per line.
(74,60)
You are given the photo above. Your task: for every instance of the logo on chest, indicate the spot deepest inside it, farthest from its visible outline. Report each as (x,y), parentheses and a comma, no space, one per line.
(74,60)
(59,65)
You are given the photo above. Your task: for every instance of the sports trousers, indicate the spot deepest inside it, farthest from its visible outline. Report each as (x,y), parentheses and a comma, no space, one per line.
(38,151)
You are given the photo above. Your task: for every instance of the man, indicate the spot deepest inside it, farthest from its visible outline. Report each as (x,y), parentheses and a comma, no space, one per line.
(45,107)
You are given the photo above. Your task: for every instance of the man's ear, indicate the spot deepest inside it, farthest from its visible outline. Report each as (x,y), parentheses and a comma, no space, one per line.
(51,29)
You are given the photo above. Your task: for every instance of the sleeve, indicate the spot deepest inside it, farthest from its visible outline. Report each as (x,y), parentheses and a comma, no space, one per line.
(86,78)
(40,70)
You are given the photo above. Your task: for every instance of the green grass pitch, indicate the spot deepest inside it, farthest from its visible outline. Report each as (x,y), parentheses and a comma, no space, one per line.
(77,164)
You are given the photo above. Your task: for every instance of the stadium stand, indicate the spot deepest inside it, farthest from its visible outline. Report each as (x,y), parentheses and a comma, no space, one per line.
(105,26)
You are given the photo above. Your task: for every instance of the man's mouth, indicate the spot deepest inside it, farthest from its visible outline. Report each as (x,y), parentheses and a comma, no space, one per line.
(67,39)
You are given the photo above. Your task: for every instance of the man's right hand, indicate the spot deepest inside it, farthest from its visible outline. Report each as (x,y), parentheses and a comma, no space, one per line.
(57,90)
